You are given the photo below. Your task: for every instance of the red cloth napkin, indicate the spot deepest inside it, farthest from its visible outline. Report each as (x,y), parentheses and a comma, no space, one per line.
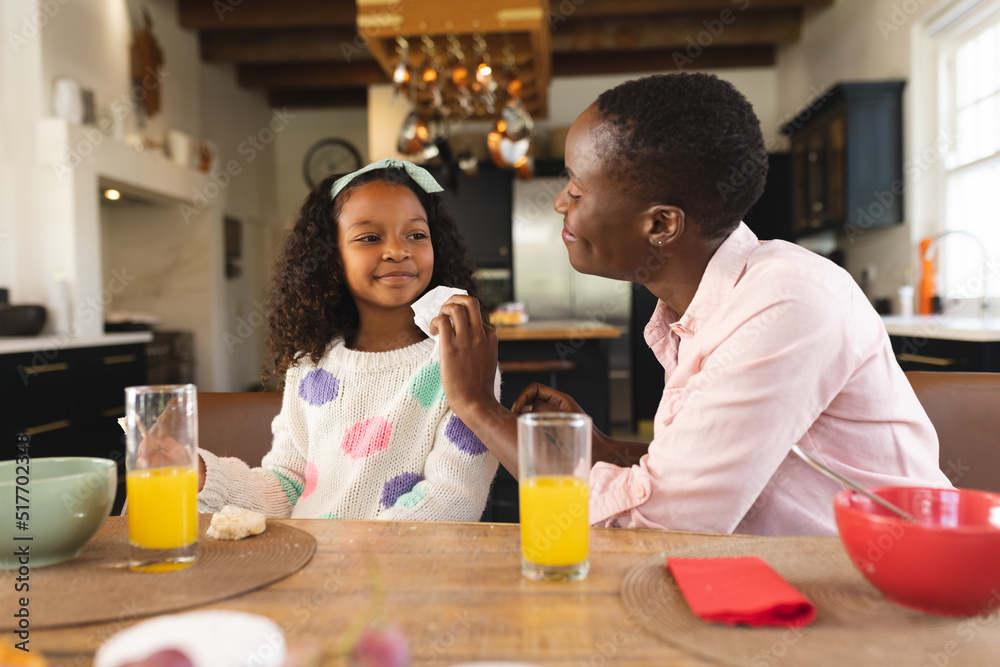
(742,590)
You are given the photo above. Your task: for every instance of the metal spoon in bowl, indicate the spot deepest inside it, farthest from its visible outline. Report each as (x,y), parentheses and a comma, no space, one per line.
(851,484)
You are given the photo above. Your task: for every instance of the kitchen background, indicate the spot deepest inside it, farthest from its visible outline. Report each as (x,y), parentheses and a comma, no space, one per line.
(192,250)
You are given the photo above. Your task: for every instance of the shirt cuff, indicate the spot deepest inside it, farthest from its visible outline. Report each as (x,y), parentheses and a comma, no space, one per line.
(212,496)
(614,491)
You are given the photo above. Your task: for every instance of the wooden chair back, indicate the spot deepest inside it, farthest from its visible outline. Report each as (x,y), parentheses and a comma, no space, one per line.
(965,411)
(237,423)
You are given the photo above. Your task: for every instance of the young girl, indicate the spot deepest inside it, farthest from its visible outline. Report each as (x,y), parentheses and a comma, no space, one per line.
(365,431)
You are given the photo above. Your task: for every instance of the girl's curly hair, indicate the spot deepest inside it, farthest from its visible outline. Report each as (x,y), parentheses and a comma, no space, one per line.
(309,303)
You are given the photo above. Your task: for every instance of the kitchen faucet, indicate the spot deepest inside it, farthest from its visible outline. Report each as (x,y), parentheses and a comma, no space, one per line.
(932,248)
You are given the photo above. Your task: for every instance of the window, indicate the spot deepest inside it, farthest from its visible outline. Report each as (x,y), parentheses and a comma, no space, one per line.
(969,97)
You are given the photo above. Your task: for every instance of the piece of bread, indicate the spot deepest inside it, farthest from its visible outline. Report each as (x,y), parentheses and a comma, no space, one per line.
(235,523)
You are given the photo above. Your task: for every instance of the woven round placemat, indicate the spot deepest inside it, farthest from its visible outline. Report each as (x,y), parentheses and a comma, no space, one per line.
(98,586)
(854,624)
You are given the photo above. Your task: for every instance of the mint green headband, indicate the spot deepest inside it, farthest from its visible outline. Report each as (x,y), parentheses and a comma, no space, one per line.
(417,173)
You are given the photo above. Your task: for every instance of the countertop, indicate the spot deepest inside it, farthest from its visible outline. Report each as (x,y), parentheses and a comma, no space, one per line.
(15,344)
(944,327)
(557,329)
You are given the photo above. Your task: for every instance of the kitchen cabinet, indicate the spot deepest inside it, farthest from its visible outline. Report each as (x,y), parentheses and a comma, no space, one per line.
(930,354)
(847,159)
(945,343)
(68,401)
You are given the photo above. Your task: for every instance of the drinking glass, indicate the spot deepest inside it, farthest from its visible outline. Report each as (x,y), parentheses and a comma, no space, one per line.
(554,469)
(162,476)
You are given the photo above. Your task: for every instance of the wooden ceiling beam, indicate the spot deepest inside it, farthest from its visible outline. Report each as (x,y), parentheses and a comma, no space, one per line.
(317,54)
(280,46)
(593,8)
(318,98)
(624,62)
(310,75)
(242,14)
(680,31)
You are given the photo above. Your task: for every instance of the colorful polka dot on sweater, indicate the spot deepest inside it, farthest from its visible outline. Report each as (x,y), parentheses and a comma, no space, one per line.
(426,385)
(312,477)
(367,437)
(399,485)
(319,387)
(463,437)
(291,488)
(411,499)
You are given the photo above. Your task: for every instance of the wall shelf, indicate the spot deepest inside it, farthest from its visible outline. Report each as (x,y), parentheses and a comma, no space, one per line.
(67,146)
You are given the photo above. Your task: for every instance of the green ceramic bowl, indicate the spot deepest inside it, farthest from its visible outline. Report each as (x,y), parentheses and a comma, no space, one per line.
(68,500)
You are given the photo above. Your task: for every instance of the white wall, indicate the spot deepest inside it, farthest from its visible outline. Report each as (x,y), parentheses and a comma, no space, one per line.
(569,96)
(7,254)
(100,66)
(859,40)
(310,126)
(89,42)
(51,221)
(160,262)
(22,241)
(238,122)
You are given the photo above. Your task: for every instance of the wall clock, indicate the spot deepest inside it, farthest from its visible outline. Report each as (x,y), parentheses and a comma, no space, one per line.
(329,156)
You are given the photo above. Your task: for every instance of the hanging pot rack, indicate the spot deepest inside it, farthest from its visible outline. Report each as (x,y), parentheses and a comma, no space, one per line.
(512,36)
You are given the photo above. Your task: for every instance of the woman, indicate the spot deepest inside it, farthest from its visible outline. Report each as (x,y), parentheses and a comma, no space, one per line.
(764,344)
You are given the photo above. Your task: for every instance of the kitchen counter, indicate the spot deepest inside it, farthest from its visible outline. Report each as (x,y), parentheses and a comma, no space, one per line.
(567,355)
(15,344)
(944,327)
(557,330)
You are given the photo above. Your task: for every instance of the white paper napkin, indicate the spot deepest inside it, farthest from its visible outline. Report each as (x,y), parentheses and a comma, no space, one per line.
(427,307)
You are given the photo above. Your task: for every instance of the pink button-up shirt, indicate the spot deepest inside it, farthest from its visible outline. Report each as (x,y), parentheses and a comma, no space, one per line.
(778,346)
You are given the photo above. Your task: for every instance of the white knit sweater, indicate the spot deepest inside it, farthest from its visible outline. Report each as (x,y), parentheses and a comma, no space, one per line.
(361,435)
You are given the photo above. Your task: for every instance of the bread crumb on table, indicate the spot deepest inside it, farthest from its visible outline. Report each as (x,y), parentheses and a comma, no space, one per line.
(235,523)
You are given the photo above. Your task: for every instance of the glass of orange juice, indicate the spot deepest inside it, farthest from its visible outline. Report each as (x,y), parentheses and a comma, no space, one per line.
(554,469)
(162,476)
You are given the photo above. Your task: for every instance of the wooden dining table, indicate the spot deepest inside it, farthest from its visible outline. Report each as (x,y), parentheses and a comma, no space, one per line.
(455,589)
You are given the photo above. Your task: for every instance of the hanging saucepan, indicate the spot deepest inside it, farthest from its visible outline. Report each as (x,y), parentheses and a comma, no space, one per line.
(514,151)
(519,123)
(412,135)
(504,151)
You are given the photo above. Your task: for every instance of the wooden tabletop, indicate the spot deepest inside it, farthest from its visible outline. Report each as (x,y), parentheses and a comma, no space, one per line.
(454,588)
(557,329)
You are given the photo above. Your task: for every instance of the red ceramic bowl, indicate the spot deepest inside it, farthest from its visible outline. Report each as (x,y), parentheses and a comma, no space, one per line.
(948,562)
